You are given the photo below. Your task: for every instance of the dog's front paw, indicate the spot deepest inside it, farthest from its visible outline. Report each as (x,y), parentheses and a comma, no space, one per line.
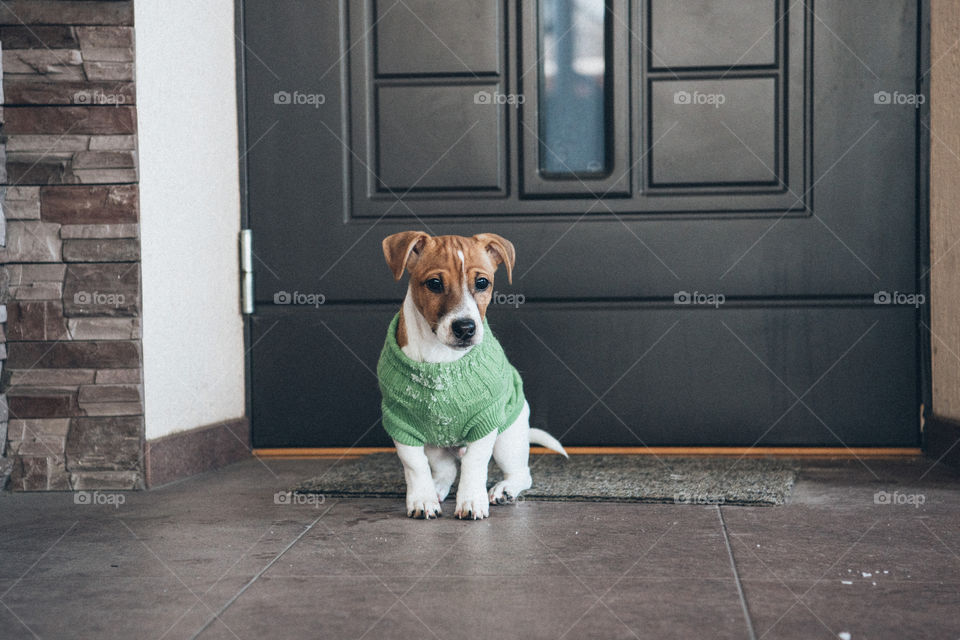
(423,505)
(472,505)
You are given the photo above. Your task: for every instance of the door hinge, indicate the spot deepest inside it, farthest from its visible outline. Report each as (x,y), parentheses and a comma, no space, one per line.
(246,271)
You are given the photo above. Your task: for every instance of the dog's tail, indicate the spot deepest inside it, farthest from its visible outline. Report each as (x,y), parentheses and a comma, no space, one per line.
(544,439)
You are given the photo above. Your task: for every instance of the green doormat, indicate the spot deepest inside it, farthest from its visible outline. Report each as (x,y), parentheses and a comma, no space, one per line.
(612,478)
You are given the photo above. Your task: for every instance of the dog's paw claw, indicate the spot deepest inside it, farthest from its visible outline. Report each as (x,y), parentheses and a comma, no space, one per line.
(426,509)
(503,493)
(472,508)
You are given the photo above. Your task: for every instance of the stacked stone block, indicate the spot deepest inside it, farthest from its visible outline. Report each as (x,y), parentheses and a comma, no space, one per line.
(72,258)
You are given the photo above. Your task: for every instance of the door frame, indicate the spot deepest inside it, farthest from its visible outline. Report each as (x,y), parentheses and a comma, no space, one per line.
(922,199)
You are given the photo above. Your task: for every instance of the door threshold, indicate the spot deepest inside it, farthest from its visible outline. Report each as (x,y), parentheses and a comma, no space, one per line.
(323,453)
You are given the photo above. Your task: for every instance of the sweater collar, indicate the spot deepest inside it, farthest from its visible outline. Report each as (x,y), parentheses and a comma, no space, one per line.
(486,350)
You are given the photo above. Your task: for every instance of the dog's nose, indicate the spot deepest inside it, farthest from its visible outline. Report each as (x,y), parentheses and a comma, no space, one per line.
(464,328)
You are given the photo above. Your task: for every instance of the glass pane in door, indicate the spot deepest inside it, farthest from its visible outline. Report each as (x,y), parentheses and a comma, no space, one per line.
(573,88)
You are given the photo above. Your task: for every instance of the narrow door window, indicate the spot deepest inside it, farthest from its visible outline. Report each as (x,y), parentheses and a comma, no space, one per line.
(573,81)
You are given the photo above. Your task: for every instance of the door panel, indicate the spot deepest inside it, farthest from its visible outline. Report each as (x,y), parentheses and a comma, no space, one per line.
(692,139)
(713,33)
(467,137)
(665,376)
(795,199)
(437,38)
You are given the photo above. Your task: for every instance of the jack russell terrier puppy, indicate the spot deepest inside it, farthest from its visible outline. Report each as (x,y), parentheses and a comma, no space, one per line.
(448,390)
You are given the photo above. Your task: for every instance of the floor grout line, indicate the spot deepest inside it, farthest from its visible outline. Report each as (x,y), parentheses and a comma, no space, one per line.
(736,576)
(249,584)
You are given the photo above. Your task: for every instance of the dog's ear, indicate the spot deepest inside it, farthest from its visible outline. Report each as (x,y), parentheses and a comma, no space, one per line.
(402,249)
(500,249)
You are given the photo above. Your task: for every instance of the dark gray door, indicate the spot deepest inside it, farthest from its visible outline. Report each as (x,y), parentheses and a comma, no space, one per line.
(714,204)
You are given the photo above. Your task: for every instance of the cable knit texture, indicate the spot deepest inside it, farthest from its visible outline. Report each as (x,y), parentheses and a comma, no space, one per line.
(447,403)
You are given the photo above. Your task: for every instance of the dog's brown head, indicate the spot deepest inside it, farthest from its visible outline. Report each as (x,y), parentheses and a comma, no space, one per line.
(451,279)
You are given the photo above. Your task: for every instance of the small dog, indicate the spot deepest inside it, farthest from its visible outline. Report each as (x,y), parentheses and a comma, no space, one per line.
(448,390)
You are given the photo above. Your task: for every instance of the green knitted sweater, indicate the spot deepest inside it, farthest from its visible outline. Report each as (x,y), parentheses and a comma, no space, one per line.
(447,403)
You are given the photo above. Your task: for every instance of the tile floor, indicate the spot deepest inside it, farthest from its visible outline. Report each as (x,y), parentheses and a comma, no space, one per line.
(216,557)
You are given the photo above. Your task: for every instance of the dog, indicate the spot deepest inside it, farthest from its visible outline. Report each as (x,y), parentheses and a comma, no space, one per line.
(448,390)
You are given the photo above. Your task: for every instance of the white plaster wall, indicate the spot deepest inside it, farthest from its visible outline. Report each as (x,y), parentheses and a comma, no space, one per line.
(190,213)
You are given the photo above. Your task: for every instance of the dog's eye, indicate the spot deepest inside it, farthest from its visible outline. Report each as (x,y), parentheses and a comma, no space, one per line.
(435,285)
(481,284)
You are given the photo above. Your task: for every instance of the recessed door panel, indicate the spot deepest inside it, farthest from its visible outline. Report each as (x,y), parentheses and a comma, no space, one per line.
(695,122)
(456,37)
(436,137)
(714,33)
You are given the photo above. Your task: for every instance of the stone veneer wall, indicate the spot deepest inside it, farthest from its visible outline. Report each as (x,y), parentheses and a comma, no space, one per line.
(72,258)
